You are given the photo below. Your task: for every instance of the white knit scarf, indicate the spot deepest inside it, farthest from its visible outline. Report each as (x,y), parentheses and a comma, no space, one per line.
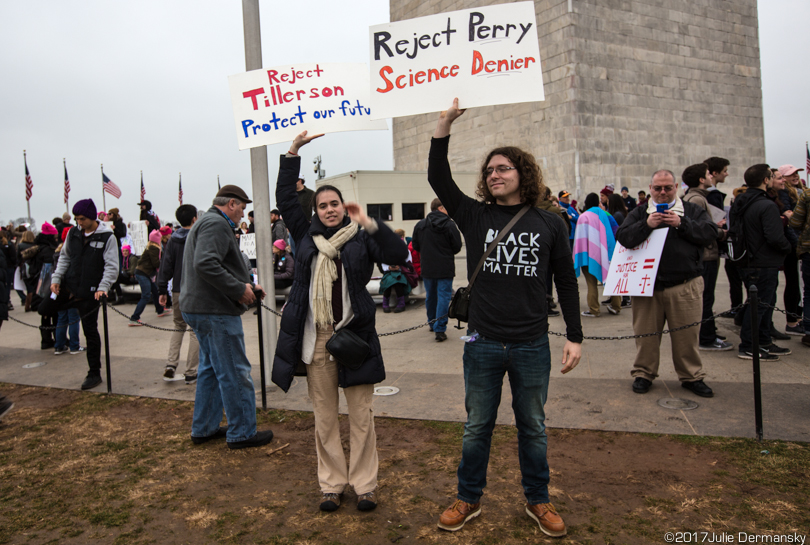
(325,272)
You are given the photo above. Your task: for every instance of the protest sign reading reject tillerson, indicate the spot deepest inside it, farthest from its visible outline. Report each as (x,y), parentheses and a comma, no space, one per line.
(483,56)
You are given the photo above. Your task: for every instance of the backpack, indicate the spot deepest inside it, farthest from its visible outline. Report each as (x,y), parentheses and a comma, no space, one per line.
(735,244)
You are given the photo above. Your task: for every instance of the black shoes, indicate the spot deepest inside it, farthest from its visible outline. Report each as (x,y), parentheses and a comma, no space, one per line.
(91,381)
(216,435)
(367,501)
(763,355)
(260,439)
(641,385)
(778,335)
(441,336)
(776,350)
(699,388)
(552,313)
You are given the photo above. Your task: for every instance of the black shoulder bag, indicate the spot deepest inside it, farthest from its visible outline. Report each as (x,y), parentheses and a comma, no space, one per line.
(348,348)
(460,304)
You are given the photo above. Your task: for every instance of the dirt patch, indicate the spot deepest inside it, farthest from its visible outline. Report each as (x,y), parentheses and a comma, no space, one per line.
(90,468)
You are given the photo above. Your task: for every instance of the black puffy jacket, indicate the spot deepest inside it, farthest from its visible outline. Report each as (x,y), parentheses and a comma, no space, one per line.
(438,240)
(358,256)
(763,229)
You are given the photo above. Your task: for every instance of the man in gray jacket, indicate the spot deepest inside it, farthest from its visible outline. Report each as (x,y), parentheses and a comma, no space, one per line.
(88,267)
(216,291)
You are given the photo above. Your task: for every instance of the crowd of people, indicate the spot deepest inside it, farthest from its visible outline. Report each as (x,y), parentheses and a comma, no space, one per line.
(324,252)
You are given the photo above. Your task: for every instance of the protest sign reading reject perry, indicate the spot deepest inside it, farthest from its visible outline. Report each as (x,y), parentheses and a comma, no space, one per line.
(483,56)
(633,270)
(274,105)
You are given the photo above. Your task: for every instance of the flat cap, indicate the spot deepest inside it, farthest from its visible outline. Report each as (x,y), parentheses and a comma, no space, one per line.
(233,192)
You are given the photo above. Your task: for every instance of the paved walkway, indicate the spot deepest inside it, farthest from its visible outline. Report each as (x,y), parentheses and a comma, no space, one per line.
(595,395)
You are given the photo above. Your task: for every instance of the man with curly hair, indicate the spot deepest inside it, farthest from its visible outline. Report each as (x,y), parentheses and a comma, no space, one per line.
(508,318)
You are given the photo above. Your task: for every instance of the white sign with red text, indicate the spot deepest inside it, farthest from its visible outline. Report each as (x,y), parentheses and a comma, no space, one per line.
(483,56)
(276,104)
(632,270)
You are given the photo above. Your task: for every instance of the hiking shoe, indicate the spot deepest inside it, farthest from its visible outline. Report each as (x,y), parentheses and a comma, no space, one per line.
(718,345)
(91,381)
(77,351)
(166,312)
(441,336)
(613,311)
(260,439)
(170,376)
(60,351)
(587,313)
(5,406)
(546,516)
(776,350)
(221,432)
(778,335)
(763,356)
(456,516)
(797,330)
(191,379)
(134,323)
(330,502)
(367,501)
(641,385)
(698,387)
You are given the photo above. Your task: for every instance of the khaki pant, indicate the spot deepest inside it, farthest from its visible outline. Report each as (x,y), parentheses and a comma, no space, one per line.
(593,295)
(322,385)
(177,341)
(677,306)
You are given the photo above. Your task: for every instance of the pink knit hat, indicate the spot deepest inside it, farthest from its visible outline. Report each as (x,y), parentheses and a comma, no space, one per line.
(48,229)
(280,244)
(155,236)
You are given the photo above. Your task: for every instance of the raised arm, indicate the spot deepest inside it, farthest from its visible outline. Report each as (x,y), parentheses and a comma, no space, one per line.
(439,175)
(286,198)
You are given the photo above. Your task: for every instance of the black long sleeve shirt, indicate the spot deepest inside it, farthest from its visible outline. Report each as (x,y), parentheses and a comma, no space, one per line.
(508,300)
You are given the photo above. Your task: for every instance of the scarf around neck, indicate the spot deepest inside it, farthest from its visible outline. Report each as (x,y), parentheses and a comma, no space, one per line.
(675,207)
(325,271)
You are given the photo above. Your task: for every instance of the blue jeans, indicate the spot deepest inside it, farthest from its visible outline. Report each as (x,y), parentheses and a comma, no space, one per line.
(528,365)
(438,293)
(147,289)
(223,378)
(64,331)
(766,281)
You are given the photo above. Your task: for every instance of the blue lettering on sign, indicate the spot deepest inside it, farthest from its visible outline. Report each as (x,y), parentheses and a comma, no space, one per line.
(274,122)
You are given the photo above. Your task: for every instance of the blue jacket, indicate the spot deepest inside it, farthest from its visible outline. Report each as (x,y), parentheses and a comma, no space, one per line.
(358,256)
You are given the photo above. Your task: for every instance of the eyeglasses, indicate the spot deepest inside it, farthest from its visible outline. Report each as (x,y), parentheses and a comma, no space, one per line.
(663,189)
(501,169)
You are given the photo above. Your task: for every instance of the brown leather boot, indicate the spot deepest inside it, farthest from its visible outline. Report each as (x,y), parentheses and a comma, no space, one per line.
(458,514)
(546,516)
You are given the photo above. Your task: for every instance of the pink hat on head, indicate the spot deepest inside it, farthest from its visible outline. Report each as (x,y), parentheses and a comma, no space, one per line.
(280,244)
(126,247)
(155,236)
(165,230)
(787,170)
(48,229)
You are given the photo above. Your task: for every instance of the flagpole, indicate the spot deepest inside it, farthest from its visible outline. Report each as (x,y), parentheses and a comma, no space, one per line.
(218,186)
(103,193)
(67,205)
(27,200)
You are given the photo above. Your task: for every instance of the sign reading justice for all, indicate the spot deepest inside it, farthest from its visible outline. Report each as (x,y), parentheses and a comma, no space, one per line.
(274,105)
(633,270)
(483,56)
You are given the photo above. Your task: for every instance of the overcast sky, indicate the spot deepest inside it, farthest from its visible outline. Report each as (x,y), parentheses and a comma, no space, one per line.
(143,86)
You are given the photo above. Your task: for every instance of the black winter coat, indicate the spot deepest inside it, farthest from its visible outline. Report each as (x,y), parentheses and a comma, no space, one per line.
(438,240)
(763,230)
(358,256)
(682,257)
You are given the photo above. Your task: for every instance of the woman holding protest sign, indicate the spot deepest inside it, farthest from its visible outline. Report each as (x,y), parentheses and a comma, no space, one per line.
(328,325)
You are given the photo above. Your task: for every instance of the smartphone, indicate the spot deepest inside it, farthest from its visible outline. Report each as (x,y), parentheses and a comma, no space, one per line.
(662,208)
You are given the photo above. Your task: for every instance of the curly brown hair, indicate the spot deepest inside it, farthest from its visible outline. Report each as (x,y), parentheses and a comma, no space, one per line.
(529,175)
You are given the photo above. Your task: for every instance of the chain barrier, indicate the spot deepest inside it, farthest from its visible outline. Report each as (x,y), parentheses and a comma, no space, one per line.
(431,322)
(53,327)
(797,317)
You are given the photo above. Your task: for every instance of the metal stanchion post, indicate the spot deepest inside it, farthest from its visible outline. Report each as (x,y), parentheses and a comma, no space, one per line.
(106,344)
(261,351)
(753,307)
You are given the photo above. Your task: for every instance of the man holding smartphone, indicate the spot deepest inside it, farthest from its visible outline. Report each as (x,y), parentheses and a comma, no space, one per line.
(677,299)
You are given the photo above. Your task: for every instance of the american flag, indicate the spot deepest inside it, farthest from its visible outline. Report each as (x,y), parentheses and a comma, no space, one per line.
(143,189)
(180,192)
(67,184)
(29,183)
(110,187)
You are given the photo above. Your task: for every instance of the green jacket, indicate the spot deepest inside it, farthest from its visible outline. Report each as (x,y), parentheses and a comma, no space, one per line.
(800,221)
